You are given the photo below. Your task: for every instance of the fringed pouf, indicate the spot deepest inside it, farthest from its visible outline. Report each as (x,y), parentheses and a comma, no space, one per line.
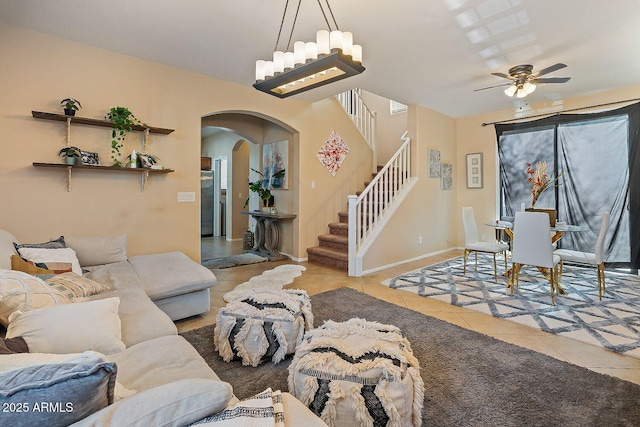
(263,325)
(358,373)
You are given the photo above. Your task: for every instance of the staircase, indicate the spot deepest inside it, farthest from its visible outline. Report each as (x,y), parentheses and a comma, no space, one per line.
(333,248)
(350,238)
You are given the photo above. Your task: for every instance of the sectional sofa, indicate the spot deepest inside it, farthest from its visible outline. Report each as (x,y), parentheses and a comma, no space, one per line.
(108,329)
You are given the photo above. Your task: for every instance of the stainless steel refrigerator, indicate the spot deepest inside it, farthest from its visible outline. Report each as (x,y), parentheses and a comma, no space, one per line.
(206,203)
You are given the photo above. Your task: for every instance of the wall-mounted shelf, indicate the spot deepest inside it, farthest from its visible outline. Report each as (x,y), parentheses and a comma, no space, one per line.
(144,172)
(94,122)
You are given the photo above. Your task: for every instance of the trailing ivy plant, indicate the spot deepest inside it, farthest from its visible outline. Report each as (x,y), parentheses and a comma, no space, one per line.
(123,121)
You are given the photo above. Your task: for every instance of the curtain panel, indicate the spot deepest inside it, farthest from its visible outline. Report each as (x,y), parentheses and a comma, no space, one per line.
(598,157)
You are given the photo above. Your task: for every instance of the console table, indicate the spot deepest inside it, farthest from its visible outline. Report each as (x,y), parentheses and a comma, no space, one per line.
(267,234)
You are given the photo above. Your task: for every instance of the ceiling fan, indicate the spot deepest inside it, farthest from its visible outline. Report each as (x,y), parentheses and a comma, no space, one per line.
(524,80)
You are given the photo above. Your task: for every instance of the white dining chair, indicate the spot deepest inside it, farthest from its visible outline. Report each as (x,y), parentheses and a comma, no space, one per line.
(594,259)
(472,244)
(532,246)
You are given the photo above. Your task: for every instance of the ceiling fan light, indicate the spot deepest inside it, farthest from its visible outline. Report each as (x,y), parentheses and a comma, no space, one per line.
(529,88)
(511,90)
(521,93)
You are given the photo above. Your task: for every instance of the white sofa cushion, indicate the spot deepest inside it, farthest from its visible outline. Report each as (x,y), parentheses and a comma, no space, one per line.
(177,404)
(70,328)
(169,274)
(159,361)
(100,249)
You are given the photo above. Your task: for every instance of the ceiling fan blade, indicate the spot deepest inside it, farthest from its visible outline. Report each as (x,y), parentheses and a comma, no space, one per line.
(552,80)
(504,76)
(491,87)
(550,69)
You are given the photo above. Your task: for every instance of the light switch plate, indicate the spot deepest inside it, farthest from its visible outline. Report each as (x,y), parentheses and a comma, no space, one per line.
(186,196)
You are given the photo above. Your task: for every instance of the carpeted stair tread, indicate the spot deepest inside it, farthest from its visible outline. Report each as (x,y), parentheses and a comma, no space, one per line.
(339,228)
(335,238)
(329,253)
(329,257)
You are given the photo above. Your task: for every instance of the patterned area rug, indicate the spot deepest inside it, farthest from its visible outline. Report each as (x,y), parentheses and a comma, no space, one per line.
(613,323)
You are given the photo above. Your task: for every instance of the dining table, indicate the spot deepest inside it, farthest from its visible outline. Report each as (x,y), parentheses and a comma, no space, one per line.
(557,232)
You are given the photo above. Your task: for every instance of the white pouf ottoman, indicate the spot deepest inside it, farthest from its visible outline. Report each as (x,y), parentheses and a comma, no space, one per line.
(358,373)
(263,325)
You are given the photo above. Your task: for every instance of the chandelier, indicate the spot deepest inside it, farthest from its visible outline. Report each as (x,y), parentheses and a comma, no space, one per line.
(332,57)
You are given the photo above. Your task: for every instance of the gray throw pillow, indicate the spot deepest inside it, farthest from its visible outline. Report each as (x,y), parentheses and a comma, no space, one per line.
(58,243)
(55,395)
(13,346)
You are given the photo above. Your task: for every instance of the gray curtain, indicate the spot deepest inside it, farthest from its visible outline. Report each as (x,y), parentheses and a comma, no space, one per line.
(599,159)
(593,156)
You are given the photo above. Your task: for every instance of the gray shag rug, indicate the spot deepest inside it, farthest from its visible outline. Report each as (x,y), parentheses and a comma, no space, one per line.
(233,261)
(470,379)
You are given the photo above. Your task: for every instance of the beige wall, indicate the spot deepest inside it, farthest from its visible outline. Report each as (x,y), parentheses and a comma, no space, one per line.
(428,210)
(390,127)
(35,203)
(36,206)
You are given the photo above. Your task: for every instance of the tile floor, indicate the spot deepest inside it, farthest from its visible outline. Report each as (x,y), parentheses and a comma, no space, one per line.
(318,279)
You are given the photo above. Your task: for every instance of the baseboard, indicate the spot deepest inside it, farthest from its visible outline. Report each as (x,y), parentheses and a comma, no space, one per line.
(395,264)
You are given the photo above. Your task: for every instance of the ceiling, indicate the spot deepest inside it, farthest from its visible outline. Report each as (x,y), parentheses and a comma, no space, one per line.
(428,52)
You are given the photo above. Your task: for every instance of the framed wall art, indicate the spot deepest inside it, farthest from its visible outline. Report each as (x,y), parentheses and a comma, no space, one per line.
(447,176)
(434,164)
(275,157)
(474,170)
(89,158)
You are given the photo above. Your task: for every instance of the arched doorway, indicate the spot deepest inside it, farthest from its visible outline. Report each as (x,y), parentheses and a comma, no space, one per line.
(241,135)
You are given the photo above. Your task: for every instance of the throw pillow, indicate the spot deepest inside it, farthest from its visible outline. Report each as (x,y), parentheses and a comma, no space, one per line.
(177,403)
(11,362)
(51,244)
(74,286)
(30,267)
(70,328)
(15,345)
(21,291)
(46,255)
(57,394)
(99,250)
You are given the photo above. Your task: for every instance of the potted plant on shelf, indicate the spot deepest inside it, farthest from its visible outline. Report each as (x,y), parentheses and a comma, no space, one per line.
(71,154)
(70,106)
(123,121)
(263,187)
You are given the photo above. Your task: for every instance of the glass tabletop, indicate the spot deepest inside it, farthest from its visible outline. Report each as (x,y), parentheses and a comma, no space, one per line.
(558,227)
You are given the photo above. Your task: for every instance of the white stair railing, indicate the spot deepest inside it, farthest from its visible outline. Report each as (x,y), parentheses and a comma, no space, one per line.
(362,117)
(369,212)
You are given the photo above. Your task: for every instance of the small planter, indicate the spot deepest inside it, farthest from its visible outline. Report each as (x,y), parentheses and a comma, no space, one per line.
(70,106)
(70,160)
